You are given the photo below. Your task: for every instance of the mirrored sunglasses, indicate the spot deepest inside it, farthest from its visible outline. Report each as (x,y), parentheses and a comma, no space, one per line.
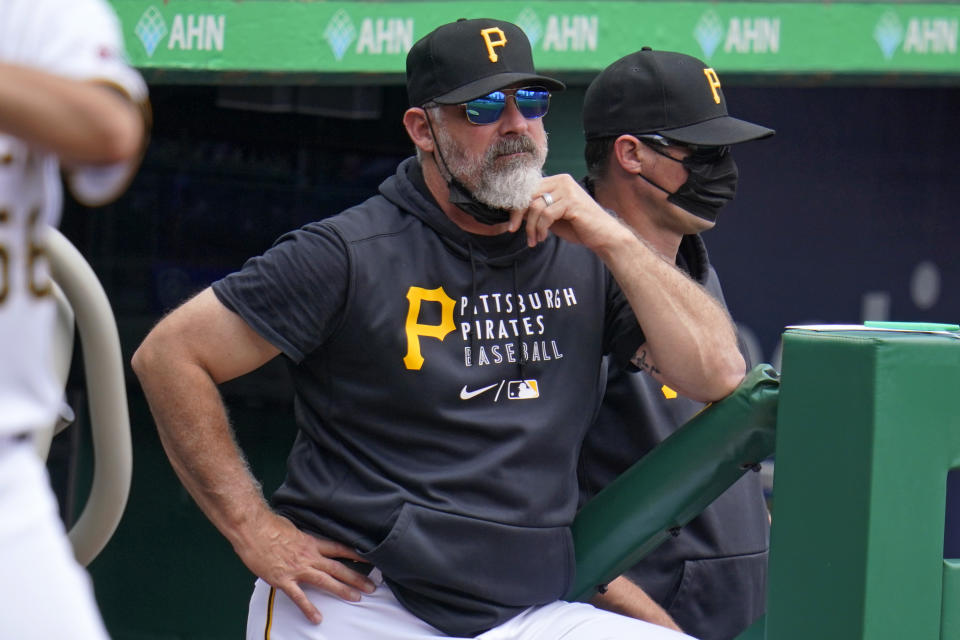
(532,102)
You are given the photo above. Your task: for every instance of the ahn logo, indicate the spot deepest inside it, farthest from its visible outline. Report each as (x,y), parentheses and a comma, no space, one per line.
(918,36)
(749,35)
(561,32)
(888,33)
(340,33)
(375,36)
(151,28)
(187,32)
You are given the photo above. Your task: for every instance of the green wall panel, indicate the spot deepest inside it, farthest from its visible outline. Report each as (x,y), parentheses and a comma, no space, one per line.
(321,39)
(867,431)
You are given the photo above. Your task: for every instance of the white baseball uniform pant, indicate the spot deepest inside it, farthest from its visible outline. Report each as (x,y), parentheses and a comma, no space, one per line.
(44,593)
(379,616)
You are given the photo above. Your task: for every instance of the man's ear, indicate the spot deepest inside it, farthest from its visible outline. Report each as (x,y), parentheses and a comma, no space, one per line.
(415,122)
(628,153)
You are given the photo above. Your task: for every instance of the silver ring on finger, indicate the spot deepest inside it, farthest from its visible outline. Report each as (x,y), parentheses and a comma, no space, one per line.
(547,198)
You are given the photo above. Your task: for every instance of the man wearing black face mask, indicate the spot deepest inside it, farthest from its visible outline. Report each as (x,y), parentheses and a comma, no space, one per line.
(658,154)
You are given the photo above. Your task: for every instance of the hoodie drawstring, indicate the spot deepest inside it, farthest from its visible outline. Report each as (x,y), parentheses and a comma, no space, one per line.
(473,301)
(521,354)
(522,357)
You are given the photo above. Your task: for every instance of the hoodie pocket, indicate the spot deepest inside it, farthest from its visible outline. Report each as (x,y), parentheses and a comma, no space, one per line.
(435,552)
(720,597)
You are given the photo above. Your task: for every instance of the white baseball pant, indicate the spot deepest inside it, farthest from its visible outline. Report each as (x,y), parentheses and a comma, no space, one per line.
(44,593)
(379,616)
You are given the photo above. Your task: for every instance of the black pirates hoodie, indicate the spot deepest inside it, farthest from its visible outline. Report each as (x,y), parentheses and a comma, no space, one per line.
(443,384)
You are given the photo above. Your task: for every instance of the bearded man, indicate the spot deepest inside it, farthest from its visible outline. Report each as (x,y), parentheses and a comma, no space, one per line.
(445,339)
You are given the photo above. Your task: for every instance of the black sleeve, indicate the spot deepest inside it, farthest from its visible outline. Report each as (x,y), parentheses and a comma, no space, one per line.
(293,295)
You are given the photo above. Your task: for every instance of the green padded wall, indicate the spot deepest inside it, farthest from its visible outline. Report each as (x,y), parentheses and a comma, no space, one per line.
(867,430)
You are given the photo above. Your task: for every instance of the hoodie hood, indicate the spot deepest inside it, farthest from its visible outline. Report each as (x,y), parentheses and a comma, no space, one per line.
(407,190)
(692,257)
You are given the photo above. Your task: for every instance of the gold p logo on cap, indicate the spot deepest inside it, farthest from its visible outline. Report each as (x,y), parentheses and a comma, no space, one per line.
(714,83)
(491,43)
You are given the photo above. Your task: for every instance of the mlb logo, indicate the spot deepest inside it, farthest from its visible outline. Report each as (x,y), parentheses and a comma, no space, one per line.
(523,390)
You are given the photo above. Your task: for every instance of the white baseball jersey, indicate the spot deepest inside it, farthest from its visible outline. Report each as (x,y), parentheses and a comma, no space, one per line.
(79,39)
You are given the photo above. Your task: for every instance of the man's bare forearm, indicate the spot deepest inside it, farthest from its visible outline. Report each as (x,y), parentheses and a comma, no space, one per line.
(195,432)
(180,364)
(81,122)
(691,341)
(626,598)
(691,344)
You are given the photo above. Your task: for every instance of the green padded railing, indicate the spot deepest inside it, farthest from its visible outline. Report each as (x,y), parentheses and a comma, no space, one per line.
(672,484)
(867,433)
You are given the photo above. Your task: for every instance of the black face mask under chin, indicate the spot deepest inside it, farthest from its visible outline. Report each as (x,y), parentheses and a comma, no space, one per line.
(461,197)
(711,183)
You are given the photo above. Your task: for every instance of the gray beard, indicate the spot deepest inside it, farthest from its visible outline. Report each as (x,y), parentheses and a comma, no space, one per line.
(508,186)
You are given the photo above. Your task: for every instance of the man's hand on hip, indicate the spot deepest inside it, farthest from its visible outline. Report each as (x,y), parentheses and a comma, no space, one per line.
(285,557)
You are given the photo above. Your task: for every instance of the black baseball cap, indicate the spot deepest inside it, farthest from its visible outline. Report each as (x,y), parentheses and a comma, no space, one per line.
(663,92)
(466,59)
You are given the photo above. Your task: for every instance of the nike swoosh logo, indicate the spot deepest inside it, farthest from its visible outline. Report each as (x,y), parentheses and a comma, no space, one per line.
(466,395)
